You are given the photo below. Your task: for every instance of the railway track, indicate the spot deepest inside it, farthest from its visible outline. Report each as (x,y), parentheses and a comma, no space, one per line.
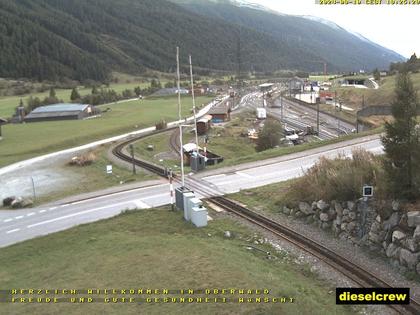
(351,270)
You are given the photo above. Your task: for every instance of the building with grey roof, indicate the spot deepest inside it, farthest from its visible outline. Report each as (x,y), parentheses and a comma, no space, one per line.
(59,112)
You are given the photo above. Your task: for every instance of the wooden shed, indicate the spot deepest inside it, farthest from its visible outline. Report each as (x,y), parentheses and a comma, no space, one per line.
(220,113)
(204,124)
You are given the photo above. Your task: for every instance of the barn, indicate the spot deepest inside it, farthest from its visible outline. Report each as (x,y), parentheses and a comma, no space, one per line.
(204,124)
(220,113)
(59,112)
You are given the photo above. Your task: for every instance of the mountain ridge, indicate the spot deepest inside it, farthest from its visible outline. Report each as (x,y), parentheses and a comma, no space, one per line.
(81,40)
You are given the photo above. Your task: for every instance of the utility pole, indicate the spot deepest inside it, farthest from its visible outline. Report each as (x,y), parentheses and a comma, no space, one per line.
(238,58)
(194,109)
(282,111)
(317,118)
(33,188)
(357,122)
(181,149)
(132,158)
(171,187)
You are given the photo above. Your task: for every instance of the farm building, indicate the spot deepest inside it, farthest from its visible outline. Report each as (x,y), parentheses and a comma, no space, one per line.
(220,113)
(354,81)
(296,85)
(59,112)
(204,124)
(266,87)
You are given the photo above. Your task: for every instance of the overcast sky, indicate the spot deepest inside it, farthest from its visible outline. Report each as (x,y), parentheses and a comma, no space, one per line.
(393,26)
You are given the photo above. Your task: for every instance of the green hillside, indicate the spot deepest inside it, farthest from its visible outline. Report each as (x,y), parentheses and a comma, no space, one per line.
(56,39)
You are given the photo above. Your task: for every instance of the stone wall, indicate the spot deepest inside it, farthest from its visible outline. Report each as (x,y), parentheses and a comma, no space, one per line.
(394,233)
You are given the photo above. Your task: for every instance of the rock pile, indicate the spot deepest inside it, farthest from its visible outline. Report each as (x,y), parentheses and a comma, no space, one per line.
(18,202)
(394,233)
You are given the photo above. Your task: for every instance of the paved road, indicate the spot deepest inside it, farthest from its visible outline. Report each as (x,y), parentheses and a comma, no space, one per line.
(19,225)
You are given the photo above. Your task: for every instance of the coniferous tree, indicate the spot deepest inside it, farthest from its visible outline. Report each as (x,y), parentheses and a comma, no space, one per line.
(74,95)
(402,142)
(52,93)
(376,74)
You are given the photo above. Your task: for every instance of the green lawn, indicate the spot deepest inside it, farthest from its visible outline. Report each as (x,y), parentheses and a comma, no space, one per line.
(157,249)
(223,140)
(23,141)
(381,96)
(9,103)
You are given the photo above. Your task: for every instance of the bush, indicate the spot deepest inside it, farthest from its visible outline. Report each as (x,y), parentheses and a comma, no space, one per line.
(340,179)
(161,125)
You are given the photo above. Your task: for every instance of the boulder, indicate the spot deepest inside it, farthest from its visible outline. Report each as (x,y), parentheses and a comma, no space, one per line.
(305,208)
(352,215)
(228,234)
(27,202)
(314,205)
(378,219)
(322,205)
(343,226)
(324,217)
(286,210)
(375,238)
(392,250)
(375,227)
(412,245)
(391,222)
(338,208)
(395,205)
(346,219)
(403,222)
(398,236)
(413,218)
(332,214)
(351,226)
(409,259)
(7,202)
(351,205)
(325,225)
(299,214)
(17,203)
(416,234)
(346,212)
(337,221)
(309,219)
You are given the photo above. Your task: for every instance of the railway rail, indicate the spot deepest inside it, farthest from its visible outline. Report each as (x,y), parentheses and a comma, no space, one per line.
(351,270)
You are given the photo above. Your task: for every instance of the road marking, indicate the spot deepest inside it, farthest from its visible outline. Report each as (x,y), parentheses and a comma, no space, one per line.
(30,214)
(214,176)
(62,206)
(245,175)
(141,205)
(19,217)
(42,211)
(156,196)
(12,231)
(53,208)
(76,214)
(119,193)
(7,220)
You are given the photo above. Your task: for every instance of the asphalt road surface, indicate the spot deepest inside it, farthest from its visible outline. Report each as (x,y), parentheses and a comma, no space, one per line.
(20,225)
